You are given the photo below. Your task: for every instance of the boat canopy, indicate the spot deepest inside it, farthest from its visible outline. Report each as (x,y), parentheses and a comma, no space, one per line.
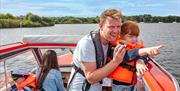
(68,39)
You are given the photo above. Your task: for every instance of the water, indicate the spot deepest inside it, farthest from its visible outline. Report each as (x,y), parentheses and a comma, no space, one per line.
(151,33)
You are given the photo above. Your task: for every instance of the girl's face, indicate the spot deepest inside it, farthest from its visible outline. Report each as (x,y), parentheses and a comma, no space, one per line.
(131,38)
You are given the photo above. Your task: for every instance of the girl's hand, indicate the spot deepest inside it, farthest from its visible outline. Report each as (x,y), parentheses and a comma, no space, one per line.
(140,66)
(154,51)
(150,51)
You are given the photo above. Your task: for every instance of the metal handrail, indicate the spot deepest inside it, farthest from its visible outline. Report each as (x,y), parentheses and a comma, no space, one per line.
(5,75)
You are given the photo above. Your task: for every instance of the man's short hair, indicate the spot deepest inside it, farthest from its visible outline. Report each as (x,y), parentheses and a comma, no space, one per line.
(113,13)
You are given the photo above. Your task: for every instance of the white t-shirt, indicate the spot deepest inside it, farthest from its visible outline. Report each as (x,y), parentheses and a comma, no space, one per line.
(85,52)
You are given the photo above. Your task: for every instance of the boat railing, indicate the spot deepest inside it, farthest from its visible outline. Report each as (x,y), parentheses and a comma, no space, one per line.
(158,79)
(175,82)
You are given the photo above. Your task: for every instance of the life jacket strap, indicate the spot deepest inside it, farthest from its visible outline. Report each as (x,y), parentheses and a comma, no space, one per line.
(95,35)
(129,67)
(78,70)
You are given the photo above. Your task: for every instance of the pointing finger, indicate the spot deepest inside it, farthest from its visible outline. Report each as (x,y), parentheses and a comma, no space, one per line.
(160,46)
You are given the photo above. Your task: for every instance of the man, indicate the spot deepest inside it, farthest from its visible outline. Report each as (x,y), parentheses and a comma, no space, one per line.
(84,54)
(91,51)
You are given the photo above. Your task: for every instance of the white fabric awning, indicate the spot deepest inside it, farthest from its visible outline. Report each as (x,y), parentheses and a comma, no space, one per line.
(51,38)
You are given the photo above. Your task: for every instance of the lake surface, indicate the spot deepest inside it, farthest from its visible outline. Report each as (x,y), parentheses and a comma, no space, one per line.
(151,33)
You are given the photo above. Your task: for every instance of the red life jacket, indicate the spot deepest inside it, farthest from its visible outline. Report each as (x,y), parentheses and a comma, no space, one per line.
(121,73)
(29,81)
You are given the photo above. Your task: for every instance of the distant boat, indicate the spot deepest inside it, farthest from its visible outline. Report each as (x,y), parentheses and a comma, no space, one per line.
(174,22)
(160,22)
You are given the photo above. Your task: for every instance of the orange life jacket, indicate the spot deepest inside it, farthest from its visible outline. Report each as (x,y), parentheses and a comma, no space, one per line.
(121,73)
(29,81)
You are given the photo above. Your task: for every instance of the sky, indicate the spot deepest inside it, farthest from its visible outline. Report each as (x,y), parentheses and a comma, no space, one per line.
(89,8)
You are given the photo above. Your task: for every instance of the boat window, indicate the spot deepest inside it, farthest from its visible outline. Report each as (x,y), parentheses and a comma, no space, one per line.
(23,60)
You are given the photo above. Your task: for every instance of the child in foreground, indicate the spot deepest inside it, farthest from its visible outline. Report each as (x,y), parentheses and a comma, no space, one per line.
(124,76)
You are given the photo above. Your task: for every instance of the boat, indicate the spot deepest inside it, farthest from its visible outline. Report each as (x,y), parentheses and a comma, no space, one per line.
(33,46)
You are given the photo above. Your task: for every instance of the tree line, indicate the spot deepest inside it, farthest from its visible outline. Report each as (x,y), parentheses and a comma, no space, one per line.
(32,20)
(29,20)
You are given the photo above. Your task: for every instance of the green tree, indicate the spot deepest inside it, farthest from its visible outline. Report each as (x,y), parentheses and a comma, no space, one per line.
(73,21)
(35,18)
(10,16)
(3,16)
(28,15)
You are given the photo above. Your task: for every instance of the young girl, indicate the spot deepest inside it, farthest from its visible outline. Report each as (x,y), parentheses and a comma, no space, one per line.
(124,76)
(49,78)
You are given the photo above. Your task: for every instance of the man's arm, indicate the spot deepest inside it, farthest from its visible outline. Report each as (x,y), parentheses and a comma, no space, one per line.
(94,75)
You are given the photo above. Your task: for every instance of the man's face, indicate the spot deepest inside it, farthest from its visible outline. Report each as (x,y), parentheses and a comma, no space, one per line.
(110,29)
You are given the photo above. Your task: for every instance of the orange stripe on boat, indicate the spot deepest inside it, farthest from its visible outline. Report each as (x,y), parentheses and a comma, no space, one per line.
(157,80)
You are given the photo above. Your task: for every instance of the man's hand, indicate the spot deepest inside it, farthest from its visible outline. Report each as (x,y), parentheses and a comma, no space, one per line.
(118,54)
